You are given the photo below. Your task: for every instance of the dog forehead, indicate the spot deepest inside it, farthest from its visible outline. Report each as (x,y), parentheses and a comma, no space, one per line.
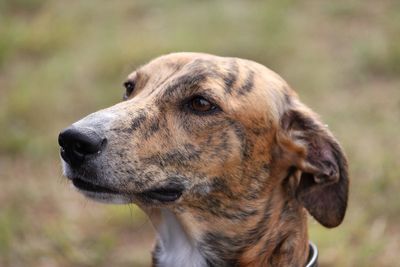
(180,59)
(174,61)
(269,90)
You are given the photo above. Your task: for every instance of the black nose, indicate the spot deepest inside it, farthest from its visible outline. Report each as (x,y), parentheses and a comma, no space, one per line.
(79,143)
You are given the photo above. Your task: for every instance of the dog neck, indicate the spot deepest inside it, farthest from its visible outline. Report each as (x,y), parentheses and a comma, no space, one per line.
(279,240)
(175,247)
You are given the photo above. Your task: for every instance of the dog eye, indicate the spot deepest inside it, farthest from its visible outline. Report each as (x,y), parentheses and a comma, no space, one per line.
(201,105)
(129,86)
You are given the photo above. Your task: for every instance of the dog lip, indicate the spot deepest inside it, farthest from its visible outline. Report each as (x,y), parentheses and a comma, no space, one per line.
(164,194)
(91,187)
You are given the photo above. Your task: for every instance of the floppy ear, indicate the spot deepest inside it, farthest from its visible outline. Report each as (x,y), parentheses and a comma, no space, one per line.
(323,184)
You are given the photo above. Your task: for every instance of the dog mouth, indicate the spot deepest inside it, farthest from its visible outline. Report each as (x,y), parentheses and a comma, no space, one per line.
(162,194)
(90,187)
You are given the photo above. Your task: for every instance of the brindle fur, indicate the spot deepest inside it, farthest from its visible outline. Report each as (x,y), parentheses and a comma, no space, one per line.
(250,171)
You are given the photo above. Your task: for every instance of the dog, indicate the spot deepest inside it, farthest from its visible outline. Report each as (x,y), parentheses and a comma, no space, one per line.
(222,156)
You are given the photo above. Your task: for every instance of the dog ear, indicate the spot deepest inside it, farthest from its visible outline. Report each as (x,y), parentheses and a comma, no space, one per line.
(323,185)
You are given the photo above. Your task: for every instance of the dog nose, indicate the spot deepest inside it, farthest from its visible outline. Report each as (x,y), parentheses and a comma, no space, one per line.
(78,143)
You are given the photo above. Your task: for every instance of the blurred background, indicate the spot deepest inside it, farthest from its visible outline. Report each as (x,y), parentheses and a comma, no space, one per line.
(60,60)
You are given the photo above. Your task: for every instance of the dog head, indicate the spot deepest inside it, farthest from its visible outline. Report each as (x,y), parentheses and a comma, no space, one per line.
(209,134)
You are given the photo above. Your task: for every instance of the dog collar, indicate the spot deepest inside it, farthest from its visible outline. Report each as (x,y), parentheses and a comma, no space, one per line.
(312,255)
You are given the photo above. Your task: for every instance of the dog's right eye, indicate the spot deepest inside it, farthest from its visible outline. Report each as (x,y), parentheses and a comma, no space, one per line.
(129,86)
(201,106)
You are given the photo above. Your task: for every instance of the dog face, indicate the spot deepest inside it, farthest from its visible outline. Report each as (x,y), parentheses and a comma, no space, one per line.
(210,135)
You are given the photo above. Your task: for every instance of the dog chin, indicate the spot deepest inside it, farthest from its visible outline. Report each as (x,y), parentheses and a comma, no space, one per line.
(103,197)
(106,198)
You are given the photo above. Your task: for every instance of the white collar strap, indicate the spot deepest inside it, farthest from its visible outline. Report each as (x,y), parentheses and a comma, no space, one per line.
(312,255)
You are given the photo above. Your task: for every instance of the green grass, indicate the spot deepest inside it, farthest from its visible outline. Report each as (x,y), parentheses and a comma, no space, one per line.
(60,60)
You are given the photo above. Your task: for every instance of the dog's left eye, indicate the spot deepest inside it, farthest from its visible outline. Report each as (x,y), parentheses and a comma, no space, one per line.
(201,105)
(129,86)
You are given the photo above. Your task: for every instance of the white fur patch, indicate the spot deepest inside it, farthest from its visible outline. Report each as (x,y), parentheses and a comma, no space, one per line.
(98,120)
(176,248)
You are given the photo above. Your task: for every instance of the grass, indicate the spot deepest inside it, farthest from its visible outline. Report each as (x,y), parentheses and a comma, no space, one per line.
(62,60)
